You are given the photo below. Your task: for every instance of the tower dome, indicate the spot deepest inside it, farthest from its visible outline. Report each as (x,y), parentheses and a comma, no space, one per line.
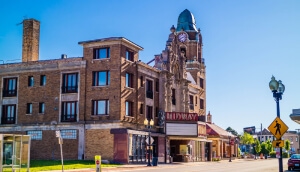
(186,21)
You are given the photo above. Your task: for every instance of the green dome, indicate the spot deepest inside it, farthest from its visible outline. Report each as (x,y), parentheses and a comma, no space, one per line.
(186,21)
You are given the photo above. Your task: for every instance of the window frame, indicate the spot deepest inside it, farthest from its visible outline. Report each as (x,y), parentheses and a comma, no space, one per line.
(11,118)
(201,83)
(43,80)
(30,81)
(173,96)
(97,75)
(72,117)
(97,53)
(201,103)
(35,134)
(95,107)
(129,80)
(42,107)
(142,108)
(10,87)
(129,55)
(64,135)
(73,88)
(149,88)
(128,108)
(29,108)
(149,114)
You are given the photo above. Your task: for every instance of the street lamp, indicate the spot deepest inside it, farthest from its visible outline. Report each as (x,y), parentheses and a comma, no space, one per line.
(229,141)
(277,88)
(148,124)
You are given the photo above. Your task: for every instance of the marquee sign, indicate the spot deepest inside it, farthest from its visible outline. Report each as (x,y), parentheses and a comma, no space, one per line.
(181,116)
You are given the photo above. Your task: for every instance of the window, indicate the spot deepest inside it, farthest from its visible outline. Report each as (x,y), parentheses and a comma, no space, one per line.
(157,85)
(68,134)
(8,114)
(149,92)
(129,108)
(149,112)
(10,87)
(129,80)
(30,81)
(100,107)
(35,135)
(41,107)
(101,78)
(129,55)
(296,139)
(101,53)
(201,83)
(201,104)
(196,100)
(69,112)
(142,109)
(43,80)
(70,83)
(191,102)
(29,108)
(173,97)
(156,112)
(142,81)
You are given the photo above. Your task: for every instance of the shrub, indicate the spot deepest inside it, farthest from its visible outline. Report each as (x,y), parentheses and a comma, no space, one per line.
(216,159)
(273,154)
(285,155)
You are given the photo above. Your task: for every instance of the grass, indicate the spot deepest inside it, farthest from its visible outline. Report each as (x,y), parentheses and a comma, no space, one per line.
(47,165)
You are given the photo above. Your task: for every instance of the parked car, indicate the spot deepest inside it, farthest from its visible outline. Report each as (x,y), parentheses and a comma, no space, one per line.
(294,162)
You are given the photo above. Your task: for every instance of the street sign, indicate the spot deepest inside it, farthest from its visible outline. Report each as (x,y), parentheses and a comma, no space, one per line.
(151,140)
(278,143)
(278,128)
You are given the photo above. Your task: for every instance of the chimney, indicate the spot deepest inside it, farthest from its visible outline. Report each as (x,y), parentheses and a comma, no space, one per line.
(209,118)
(31,40)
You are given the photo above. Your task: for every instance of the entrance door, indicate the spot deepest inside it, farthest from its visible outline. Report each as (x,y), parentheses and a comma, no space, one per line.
(7,153)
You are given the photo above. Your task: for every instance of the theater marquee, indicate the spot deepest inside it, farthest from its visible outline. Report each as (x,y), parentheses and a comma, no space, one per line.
(181,116)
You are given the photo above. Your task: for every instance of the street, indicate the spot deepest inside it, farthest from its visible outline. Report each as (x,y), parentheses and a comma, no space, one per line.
(240,165)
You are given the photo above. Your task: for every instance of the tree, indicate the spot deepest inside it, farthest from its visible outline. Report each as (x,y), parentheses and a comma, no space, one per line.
(269,146)
(257,147)
(287,145)
(246,139)
(232,131)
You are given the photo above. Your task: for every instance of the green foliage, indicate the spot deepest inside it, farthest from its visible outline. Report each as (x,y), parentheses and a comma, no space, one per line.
(287,145)
(273,154)
(264,148)
(269,146)
(257,146)
(239,152)
(285,155)
(232,131)
(246,139)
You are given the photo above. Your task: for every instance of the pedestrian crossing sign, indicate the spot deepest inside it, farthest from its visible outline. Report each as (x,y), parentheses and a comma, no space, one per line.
(278,128)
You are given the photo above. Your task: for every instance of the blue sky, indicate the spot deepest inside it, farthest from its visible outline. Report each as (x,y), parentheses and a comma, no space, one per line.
(245,43)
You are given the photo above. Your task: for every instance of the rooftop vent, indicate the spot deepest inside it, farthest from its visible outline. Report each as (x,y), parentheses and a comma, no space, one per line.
(63,56)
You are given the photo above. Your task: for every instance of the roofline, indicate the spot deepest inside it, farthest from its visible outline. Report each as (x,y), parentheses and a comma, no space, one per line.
(110,39)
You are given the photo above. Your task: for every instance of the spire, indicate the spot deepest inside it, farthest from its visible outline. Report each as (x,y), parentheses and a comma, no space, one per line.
(186,22)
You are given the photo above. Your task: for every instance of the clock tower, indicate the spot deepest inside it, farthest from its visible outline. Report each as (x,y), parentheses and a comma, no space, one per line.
(183,68)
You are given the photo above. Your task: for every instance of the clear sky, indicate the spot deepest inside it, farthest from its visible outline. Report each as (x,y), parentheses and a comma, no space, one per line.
(245,43)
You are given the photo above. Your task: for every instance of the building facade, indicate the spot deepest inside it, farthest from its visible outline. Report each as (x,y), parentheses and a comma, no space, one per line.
(99,102)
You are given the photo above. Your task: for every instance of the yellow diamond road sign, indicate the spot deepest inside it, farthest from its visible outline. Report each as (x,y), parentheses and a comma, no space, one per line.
(278,143)
(278,128)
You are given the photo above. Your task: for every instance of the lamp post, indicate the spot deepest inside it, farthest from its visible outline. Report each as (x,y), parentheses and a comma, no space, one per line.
(277,88)
(229,142)
(148,124)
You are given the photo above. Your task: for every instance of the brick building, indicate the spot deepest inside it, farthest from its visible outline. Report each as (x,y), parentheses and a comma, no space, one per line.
(99,101)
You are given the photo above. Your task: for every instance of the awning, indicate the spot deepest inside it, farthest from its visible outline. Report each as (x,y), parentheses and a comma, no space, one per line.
(188,138)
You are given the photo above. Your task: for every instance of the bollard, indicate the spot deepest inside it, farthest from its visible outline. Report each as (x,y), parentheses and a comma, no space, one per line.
(98,163)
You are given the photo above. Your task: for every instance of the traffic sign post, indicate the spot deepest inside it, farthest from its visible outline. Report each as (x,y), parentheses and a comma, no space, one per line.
(60,142)
(98,163)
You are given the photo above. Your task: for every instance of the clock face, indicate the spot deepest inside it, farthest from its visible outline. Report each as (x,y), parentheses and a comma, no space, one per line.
(182,37)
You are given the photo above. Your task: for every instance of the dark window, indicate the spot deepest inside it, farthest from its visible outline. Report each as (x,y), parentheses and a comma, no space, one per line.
(8,114)
(100,107)
(149,112)
(69,112)
(149,87)
(196,100)
(9,87)
(129,55)
(101,78)
(41,107)
(29,108)
(129,80)
(142,81)
(173,97)
(191,102)
(201,104)
(43,80)
(129,108)
(70,81)
(142,109)
(201,83)
(157,85)
(156,111)
(101,53)
(30,81)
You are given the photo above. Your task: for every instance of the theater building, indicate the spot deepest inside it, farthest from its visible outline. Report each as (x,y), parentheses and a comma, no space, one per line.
(100,101)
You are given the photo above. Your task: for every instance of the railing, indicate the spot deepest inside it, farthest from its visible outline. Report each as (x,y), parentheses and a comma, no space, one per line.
(70,89)
(8,120)
(69,118)
(9,93)
(149,94)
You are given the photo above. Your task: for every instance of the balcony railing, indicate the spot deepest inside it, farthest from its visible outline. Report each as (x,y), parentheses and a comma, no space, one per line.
(69,118)
(70,89)
(9,93)
(8,120)
(192,106)
(149,94)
